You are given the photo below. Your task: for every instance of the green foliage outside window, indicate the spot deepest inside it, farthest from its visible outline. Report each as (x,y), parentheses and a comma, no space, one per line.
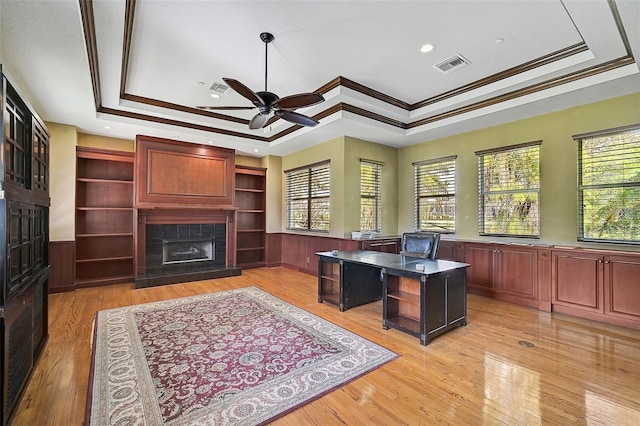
(609,187)
(435,195)
(509,184)
(370,195)
(308,194)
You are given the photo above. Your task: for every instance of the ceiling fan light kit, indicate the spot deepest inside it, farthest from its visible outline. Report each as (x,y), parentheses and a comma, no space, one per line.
(267,102)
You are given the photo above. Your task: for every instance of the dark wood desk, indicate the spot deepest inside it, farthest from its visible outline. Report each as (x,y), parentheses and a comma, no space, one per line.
(424,303)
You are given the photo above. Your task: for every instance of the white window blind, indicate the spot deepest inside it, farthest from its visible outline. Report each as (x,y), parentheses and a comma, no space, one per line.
(370,195)
(308,193)
(509,190)
(435,195)
(609,186)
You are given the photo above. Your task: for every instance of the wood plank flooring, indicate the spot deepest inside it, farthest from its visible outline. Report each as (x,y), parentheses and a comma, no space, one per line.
(510,365)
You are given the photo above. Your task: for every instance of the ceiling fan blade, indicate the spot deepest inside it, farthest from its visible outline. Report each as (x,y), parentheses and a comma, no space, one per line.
(244,91)
(258,121)
(229,108)
(294,117)
(298,101)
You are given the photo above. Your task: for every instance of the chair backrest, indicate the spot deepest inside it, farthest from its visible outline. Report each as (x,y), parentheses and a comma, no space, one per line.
(420,244)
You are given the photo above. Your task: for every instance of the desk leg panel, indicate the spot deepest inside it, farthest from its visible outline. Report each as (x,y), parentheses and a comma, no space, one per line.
(360,284)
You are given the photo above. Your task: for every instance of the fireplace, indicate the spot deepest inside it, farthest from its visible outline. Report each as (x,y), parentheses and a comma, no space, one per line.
(174,250)
(184,200)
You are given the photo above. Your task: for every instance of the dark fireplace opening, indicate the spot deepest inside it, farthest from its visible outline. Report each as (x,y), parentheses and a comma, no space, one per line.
(185,250)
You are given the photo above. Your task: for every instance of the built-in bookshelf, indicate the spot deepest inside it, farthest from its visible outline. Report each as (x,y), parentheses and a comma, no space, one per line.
(251,221)
(104,217)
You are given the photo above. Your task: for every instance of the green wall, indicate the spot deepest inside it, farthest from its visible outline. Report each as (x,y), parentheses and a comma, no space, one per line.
(558,165)
(345,154)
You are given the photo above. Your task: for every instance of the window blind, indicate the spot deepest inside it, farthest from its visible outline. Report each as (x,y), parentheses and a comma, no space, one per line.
(509,190)
(308,194)
(370,195)
(435,195)
(609,187)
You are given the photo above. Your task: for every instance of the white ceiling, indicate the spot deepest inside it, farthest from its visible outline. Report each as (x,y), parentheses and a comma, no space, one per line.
(179,48)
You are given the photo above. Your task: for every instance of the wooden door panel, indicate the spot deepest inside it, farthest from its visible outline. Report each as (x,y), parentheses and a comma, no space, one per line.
(518,272)
(577,282)
(480,273)
(623,286)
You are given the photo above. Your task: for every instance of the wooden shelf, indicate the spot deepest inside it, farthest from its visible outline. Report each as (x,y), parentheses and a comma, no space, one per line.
(405,323)
(405,297)
(104,217)
(109,181)
(104,259)
(332,277)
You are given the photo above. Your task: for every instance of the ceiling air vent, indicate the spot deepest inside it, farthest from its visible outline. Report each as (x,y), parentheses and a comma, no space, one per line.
(452,64)
(219,88)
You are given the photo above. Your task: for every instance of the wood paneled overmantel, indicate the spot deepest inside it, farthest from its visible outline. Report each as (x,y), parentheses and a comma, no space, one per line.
(174,174)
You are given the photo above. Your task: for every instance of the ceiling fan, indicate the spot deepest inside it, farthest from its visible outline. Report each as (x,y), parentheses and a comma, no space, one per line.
(266,101)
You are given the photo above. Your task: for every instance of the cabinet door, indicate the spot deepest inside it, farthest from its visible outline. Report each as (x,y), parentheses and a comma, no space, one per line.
(622,284)
(577,280)
(481,271)
(518,272)
(447,250)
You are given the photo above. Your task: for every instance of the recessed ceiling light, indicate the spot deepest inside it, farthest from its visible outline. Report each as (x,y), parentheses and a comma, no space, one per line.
(498,41)
(426,48)
(215,95)
(256,150)
(107,127)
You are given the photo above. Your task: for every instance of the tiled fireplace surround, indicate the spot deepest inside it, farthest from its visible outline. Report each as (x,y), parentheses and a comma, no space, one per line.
(153,272)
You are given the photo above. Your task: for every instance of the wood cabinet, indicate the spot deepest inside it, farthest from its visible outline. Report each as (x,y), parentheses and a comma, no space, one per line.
(449,250)
(599,285)
(504,271)
(24,239)
(104,217)
(385,245)
(250,193)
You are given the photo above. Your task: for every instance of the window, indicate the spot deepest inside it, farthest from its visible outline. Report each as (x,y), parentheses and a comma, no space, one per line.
(435,187)
(370,195)
(308,197)
(509,190)
(609,186)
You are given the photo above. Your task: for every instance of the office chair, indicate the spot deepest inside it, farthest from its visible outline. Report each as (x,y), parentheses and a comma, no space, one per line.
(420,244)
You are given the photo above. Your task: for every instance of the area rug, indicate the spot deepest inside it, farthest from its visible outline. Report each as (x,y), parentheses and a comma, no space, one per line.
(234,357)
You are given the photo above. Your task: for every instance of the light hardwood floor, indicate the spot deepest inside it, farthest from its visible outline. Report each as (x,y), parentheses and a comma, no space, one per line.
(576,372)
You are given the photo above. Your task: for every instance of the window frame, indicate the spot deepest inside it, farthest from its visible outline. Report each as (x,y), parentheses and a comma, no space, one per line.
(306,173)
(483,192)
(417,173)
(581,187)
(375,197)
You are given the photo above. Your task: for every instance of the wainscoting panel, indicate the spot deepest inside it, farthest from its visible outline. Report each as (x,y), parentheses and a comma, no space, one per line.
(62,258)
(299,251)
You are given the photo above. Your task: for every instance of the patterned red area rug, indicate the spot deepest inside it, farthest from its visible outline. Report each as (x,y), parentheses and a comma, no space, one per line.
(234,357)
